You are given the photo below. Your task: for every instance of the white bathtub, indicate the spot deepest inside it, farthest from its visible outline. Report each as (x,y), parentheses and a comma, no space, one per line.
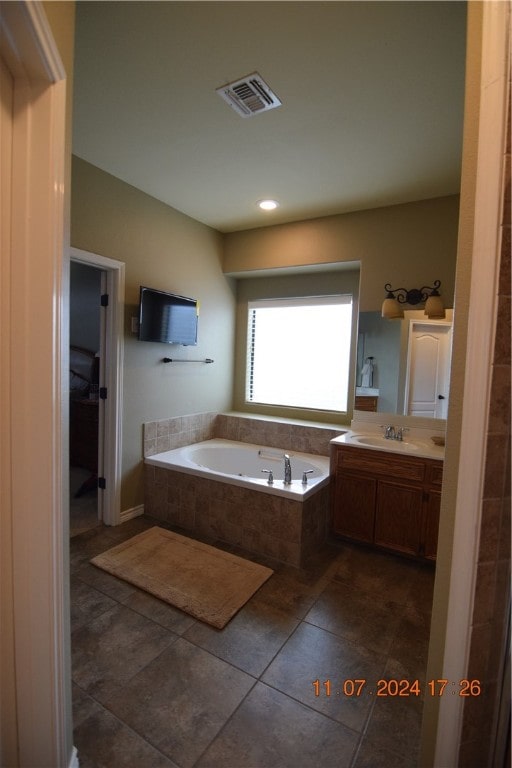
(241,464)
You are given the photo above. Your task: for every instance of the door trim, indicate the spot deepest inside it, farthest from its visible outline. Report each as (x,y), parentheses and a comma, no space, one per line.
(482,303)
(111,367)
(34,455)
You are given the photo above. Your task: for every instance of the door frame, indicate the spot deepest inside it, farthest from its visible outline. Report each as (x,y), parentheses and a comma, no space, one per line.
(456,572)
(111,372)
(42,675)
(34,517)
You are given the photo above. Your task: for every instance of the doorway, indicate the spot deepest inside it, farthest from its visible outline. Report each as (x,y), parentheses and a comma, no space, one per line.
(96,301)
(85,342)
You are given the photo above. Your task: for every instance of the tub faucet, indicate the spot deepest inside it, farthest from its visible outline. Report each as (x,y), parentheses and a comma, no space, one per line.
(270,474)
(287,470)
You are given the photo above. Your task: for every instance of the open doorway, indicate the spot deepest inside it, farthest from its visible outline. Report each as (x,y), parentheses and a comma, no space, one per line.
(96,362)
(85,340)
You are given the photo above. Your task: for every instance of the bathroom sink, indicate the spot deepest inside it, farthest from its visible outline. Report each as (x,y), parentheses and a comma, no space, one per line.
(376,441)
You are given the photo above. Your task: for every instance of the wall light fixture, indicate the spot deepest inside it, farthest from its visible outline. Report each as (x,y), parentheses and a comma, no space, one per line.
(395,297)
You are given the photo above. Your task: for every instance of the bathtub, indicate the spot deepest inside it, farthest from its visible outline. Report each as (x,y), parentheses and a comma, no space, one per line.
(242,464)
(217,489)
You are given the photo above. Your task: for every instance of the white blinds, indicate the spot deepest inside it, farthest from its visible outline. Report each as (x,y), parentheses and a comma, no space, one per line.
(298,352)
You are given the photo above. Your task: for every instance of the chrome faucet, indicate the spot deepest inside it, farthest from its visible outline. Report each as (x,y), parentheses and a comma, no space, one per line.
(400,433)
(287,470)
(270,474)
(394,433)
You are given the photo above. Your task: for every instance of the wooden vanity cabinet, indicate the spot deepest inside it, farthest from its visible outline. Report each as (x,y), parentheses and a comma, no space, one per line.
(354,492)
(398,517)
(366,402)
(432,505)
(388,500)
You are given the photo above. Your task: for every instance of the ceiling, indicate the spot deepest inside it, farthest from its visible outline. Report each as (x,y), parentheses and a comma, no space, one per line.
(371,115)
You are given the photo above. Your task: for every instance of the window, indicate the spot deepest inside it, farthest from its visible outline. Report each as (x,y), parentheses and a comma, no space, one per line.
(298,352)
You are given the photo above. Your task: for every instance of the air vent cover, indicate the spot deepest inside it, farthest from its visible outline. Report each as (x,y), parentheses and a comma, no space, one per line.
(249,96)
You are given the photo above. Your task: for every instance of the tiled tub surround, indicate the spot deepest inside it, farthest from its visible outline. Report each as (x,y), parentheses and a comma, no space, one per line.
(285,529)
(167,434)
(289,531)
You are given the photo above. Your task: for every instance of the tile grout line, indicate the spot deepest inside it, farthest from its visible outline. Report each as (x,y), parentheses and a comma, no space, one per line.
(124,725)
(325,581)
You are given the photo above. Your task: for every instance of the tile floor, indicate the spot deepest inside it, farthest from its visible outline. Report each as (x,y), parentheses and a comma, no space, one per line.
(154,688)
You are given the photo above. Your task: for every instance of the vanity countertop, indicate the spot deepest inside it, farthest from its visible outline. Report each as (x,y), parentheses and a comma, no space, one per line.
(416,443)
(367,392)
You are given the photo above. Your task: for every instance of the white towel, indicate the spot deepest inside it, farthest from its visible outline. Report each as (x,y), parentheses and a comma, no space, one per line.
(367,374)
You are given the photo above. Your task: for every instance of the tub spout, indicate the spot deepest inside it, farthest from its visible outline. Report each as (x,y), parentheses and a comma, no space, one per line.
(287,470)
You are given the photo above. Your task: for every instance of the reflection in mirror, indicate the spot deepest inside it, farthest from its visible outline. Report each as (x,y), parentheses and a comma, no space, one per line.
(378,346)
(382,365)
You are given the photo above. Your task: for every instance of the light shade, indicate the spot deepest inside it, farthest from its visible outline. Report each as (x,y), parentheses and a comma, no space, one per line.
(434,307)
(395,297)
(391,309)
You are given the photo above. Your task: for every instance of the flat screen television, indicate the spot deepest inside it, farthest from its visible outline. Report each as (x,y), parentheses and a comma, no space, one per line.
(167,317)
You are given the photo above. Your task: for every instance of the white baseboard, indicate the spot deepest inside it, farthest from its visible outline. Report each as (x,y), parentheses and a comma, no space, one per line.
(129,514)
(73,763)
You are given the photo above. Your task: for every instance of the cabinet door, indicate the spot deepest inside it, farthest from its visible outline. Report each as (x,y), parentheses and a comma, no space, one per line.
(354,506)
(398,517)
(431,508)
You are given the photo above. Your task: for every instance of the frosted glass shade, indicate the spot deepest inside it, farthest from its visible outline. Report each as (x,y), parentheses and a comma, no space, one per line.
(391,309)
(434,307)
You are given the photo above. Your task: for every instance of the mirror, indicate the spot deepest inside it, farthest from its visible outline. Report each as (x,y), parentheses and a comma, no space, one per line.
(383,358)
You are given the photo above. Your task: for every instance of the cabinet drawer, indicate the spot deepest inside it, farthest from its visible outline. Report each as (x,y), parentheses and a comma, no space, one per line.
(380,463)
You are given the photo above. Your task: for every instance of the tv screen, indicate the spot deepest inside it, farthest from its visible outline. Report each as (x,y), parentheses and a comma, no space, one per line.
(167,318)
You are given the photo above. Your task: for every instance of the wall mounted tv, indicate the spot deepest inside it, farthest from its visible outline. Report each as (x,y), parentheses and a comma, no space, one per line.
(167,317)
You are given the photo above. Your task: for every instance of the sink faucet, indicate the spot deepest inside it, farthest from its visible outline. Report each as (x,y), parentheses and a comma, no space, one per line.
(394,433)
(287,470)
(400,433)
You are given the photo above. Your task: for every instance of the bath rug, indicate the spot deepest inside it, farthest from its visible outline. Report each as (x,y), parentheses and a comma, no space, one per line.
(201,580)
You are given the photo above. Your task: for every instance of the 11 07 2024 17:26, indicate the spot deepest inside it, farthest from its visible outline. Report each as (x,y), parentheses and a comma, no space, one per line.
(396,687)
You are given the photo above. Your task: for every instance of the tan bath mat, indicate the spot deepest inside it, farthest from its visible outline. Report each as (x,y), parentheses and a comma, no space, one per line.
(205,582)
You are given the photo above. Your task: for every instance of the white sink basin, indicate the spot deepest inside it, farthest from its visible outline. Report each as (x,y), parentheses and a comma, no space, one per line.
(376,441)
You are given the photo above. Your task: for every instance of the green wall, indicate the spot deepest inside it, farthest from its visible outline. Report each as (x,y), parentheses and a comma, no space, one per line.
(406,245)
(162,249)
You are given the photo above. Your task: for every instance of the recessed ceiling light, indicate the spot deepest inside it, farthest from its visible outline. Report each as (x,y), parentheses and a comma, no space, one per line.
(268,205)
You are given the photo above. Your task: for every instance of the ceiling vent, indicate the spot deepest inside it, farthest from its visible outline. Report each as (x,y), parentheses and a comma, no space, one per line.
(249,96)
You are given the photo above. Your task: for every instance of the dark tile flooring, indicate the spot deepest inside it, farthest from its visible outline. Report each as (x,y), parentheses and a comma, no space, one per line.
(154,688)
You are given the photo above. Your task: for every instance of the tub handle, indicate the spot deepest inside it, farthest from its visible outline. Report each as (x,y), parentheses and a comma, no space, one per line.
(305,475)
(270,475)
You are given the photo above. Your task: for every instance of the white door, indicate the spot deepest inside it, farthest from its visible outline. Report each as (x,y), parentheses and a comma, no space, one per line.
(428,369)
